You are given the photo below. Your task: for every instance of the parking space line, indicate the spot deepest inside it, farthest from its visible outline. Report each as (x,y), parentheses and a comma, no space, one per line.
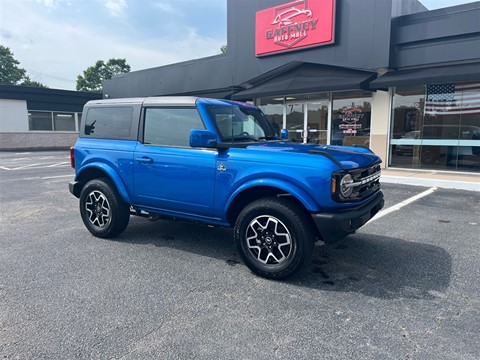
(56,177)
(59,164)
(403,203)
(23,167)
(36,166)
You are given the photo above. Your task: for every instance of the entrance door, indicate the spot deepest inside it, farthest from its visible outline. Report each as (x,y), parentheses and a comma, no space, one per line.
(317,121)
(295,122)
(306,121)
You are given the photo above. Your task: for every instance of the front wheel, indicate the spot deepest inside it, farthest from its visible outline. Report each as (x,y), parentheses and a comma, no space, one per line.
(274,237)
(103,211)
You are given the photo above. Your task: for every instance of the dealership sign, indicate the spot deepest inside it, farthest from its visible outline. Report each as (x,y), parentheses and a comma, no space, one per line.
(294,25)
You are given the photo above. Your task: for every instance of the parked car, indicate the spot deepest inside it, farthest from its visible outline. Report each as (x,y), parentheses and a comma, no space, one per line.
(220,163)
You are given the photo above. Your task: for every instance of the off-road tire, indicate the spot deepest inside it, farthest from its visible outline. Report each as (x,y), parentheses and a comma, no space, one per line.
(274,237)
(103,211)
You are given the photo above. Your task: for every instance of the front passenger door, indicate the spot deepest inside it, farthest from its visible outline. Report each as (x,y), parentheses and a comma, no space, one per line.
(169,174)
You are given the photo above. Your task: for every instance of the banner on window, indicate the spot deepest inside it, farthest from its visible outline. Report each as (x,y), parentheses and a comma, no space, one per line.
(452,99)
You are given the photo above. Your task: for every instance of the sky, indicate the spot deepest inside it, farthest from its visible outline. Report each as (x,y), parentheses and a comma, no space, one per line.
(56,40)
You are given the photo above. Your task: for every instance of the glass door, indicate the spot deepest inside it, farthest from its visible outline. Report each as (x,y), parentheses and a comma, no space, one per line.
(295,122)
(317,121)
(305,117)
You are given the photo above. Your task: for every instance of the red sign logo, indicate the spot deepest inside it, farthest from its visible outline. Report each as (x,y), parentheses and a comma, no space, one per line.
(297,24)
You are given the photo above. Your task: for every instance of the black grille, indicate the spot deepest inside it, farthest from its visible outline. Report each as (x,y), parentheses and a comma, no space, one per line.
(366,181)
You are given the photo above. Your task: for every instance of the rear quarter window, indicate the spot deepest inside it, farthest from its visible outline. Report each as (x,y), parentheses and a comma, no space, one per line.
(108,122)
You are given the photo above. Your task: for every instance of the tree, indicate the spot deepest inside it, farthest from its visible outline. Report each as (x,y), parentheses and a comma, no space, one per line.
(93,76)
(223,49)
(10,73)
(32,83)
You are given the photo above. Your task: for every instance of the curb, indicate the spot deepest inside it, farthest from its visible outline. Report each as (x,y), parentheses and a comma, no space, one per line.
(443,184)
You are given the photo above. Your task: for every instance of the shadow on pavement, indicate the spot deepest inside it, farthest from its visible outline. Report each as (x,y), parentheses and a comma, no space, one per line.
(381,267)
(376,266)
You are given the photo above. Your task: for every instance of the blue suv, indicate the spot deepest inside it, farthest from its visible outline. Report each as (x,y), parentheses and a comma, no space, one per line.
(221,163)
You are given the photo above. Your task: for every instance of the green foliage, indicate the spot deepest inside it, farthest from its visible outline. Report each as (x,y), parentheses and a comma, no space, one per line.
(223,49)
(32,83)
(10,73)
(93,76)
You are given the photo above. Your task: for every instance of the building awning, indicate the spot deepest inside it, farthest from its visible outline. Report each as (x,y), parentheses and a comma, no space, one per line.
(308,78)
(428,76)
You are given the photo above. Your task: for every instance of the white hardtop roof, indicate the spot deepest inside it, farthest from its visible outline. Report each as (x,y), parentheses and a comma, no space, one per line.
(171,100)
(153,100)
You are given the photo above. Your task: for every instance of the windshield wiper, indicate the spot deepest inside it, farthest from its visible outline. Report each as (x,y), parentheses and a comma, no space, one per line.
(252,138)
(245,137)
(267,138)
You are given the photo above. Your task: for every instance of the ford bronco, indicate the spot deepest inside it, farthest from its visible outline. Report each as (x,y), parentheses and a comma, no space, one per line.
(221,163)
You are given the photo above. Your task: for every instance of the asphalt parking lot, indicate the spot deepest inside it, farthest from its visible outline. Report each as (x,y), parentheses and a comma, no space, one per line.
(406,286)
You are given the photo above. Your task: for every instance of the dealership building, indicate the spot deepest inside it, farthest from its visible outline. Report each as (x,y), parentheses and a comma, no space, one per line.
(386,74)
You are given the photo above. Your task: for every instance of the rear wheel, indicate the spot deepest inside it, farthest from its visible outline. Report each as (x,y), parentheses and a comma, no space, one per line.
(274,237)
(103,211)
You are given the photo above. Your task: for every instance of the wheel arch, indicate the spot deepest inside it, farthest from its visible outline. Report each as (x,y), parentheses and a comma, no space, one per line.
(98,171)
(264,189)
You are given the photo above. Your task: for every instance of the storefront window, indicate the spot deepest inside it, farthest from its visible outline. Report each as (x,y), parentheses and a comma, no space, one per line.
(437,127)
(52,121)
(407,122)
(273,109)
(64,122)
(351,119)
(38,120)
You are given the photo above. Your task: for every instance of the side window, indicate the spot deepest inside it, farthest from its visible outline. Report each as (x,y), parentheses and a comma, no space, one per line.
(170,126)
(108,122)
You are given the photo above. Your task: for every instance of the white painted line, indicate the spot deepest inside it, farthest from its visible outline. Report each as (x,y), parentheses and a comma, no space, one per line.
(59,164)
(28,166)
(36,166)
(56,177)
(403,203)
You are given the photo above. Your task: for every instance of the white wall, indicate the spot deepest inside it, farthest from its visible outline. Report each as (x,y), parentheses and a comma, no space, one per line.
(13,116)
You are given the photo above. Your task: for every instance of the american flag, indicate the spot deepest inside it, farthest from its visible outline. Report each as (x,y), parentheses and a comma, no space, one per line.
(453,99)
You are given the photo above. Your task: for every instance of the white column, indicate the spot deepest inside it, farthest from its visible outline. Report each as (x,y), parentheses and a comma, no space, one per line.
(379,125)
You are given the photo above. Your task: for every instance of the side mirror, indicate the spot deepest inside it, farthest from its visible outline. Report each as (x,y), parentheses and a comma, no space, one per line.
(284,134)
(203,138)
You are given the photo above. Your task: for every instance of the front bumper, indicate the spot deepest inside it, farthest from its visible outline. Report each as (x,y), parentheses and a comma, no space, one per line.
(335,226)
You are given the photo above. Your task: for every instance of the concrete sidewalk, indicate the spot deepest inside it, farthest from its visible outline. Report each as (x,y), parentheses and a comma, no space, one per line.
(461,181)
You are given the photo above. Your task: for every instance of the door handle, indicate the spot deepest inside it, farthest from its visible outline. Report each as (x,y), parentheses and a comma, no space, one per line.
(144,160)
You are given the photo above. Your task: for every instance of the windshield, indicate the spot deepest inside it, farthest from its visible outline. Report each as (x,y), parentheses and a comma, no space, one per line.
(238,123)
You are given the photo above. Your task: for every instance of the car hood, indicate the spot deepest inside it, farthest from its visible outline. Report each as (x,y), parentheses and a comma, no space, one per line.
(346,157)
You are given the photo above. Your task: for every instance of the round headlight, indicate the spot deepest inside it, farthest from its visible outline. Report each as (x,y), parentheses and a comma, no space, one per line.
(346,191)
